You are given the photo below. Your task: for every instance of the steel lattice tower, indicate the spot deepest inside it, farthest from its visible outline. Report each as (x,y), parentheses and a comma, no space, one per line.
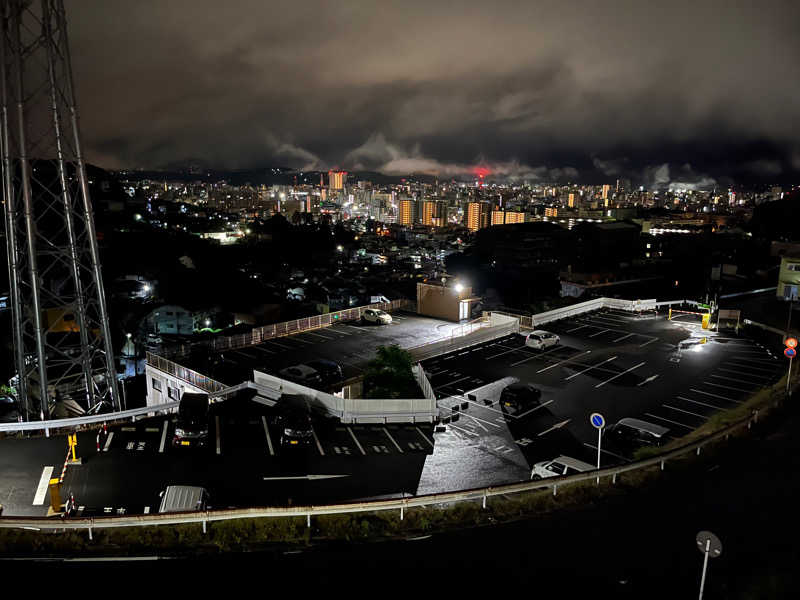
(60,324)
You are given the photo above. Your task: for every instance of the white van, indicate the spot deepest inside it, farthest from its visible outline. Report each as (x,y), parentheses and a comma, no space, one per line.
(563,465)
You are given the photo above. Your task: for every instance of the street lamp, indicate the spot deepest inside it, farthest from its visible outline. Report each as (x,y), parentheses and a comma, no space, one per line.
(459,288)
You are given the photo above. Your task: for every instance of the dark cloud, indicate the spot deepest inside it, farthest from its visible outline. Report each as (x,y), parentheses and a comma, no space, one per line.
(540,89)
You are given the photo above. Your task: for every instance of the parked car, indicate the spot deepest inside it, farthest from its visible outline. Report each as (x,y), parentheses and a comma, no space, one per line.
(7,404)
(191,430)
(302,374)
(563,465)
(519,397)
(632,433)
(541,339)
(373,315)
(295,428)
(329,371)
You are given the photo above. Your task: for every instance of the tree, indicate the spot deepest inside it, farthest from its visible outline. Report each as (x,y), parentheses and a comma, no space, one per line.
(389,374)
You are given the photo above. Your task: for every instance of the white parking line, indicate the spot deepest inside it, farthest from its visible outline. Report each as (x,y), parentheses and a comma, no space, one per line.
(670,421)
(648,342)
(424,437)
(603,451)
(601,332)
(506,352)
(532,356)
(483,420)
(355,439)
(339,331)
(284,346)
(576,329)
(266,433)
(699,403)
(324,337)
(624,337)
(726,378)
(396,445)
(739,365)
(527,412)
(478,423)
(619,375)
(727,387)
(319,446)
(219,447)
(438,387)
(705,418)
(44,482)
(108,442)
(589,368)
(715,396)
(739,371)
(263,349)
(467,431)
(566,360)
(163,437)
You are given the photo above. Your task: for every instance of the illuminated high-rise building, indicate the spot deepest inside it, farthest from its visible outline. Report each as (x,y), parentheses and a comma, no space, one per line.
(432,213)
(572,200)
(550,212)
(606,190)
(406,212)
(337,179)
(477,215)
(503,217)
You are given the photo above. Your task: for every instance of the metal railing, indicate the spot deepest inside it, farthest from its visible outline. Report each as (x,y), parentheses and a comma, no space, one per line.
(480,330)
(261,334)
(198,380)
(399,504)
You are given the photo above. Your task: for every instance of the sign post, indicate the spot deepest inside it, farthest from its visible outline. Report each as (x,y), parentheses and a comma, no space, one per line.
(709,545)
(598,421)
(790,352)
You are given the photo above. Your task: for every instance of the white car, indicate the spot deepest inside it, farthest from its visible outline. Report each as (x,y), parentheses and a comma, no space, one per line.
(541,339)
(373,315)
(563,465)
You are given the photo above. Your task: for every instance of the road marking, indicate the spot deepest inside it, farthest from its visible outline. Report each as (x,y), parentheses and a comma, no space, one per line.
(727,387)
(339,331)
(266,433)
(627,460)
(601,332)
(506,352)
(240,353)
(324,337)
(163,437)
(467,431)
(353,435)
(562,362)
(648,380)
(739,371)
(715,395)
(705,418)
(319,446)
(700,403)
(278,345)
(576,329)
(303,477)
(151,430)
(108,441)
(263,349)
(449,383)
(614,321)
(359,329)
(670,421)
(726,378)
(424,437)
(748,366)
(44,482)
(624,337)
(602,383)
(589,368)
(527,412)
(147,510)
(478,422)
(396,445)
(219,448)
(539,355)
(648,342)
(554,427)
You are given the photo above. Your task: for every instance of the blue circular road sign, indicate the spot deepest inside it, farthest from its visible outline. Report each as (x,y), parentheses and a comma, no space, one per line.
(790,352)
(597,420)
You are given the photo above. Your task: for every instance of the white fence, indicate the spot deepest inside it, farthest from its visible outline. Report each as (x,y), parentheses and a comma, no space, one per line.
(491,327)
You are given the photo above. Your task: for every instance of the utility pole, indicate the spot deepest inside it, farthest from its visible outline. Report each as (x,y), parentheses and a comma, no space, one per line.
(62,342)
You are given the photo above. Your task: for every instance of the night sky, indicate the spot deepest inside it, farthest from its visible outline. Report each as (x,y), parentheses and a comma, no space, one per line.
(666,92)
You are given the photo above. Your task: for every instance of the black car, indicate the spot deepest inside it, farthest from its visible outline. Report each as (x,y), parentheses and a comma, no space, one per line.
(519,397)
(329,371)
(629,434)
(7,404)
(192,426)
(295,428)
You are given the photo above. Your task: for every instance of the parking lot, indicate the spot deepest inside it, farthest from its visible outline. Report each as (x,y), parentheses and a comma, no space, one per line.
(350,344)
(670,373)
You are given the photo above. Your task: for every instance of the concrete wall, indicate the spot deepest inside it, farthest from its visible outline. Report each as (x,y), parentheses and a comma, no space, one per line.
(440,302)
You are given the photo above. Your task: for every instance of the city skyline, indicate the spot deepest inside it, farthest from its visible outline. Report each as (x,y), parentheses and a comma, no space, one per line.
(698,94)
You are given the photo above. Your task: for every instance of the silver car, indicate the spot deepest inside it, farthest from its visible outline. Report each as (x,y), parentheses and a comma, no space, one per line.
(541,339)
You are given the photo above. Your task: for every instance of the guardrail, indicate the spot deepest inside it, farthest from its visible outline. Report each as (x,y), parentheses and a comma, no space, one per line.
(261,334)
(198,380)
(487,329)
(400,504)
